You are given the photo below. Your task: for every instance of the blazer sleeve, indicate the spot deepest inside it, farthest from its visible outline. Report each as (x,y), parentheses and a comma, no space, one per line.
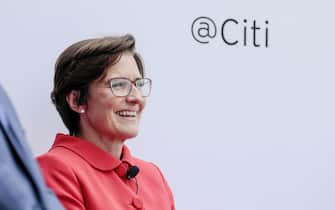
(62,180)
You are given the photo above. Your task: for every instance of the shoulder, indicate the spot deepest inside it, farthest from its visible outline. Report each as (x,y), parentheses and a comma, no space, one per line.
(52,158)
(53,162)
(61,175)
(59,156)
(59,168)
(59,160)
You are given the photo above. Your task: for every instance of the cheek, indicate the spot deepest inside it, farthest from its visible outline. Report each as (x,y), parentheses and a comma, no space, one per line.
(102,118)
(100,109)
(108,110)
(113,104)
(143,104)
(104,103)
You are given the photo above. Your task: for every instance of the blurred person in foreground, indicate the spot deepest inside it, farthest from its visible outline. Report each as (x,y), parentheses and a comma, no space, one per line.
(21,183)
(100,92)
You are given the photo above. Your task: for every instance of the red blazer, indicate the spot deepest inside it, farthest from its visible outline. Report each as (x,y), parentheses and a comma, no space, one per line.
(84,176)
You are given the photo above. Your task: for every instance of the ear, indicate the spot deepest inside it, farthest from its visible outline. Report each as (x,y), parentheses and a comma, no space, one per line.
(72,100)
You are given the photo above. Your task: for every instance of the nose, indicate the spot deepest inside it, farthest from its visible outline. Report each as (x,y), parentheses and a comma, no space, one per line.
(135,96)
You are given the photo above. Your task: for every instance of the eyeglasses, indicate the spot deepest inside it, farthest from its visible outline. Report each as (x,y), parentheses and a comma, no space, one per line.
(122,87)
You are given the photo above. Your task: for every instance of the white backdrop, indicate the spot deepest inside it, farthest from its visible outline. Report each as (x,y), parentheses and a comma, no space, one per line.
(232,127)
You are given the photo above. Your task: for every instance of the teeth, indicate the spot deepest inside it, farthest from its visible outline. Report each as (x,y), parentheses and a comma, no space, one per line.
(127,113)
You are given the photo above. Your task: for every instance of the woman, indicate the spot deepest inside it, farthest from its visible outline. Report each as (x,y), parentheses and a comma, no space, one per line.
(100,93)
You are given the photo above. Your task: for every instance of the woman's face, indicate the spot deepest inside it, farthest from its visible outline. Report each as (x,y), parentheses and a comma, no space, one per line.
(112,116)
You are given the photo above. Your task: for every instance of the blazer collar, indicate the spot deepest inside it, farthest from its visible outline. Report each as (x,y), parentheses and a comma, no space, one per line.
(91,153)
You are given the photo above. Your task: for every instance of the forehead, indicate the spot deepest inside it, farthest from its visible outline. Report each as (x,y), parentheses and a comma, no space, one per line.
(125,67)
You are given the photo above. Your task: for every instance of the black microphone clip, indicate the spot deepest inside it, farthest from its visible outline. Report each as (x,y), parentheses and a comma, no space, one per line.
(132,172)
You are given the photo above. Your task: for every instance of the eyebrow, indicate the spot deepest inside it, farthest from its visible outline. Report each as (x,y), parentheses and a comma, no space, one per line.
(124,78)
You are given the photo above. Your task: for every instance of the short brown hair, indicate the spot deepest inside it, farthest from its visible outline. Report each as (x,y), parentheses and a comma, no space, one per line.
(82,63)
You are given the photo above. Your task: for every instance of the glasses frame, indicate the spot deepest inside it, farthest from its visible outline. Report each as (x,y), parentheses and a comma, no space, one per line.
(109,84)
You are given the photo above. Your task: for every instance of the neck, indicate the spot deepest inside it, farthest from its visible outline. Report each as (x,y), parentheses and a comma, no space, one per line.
(110,145)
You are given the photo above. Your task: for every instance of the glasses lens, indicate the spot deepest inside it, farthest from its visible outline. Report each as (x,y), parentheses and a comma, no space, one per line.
(120,86)
(144,86)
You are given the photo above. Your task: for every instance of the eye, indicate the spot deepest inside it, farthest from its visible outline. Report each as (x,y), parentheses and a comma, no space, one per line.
(119,84)
(140,83)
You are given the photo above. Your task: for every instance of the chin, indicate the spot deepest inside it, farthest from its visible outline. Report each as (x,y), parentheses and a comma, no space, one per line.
(129,134)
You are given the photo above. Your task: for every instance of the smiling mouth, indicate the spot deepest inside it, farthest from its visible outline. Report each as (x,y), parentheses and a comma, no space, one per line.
(126,113)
